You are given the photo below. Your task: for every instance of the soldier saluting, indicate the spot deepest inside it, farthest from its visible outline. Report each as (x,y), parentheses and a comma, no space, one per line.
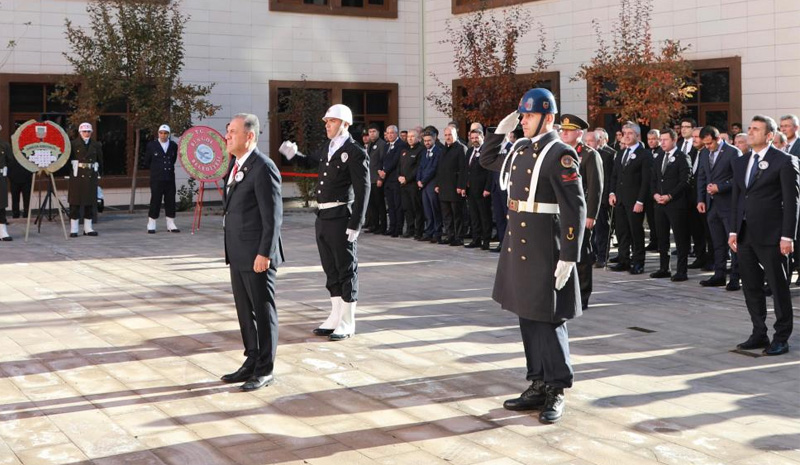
(86,163)
(536,275)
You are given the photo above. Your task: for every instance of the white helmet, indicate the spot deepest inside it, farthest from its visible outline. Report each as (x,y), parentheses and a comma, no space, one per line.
(85,127)
(341,112)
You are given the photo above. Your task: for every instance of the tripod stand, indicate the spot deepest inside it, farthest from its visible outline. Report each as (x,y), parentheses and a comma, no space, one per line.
(52,191)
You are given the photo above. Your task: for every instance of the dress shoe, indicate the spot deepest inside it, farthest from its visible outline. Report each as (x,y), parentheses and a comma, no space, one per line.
(636,269)
(661,274)
(777,348)
(533,398)
(472,245)
(90,233)
(754,343)
(422,239)
(151,231)
(322,332)
(408,236)
(651,247)
(733,285)
(73,234)
(496,249)
(394,235)
(714,281)
(257,382)
(554,405)
(443,241)
(238,376)
(456,243)
(767,290)
(176,230)
(339,337)
(797,283)
(599,264)
(7,239)
(679,277)
(613,260)
(485,246)
(620,267)
(697,264)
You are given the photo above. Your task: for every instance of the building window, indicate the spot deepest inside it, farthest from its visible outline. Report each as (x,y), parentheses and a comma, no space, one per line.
(370,102)
(367,8)
(467,6)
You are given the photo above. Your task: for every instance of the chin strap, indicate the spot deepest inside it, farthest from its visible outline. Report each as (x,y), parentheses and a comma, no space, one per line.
(539,127)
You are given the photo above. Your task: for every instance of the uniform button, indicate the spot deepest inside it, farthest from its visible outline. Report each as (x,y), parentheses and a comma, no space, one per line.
(523,241)
(325,173)
(523,224)
(527,189)
(529,171)
(322,182)
(319,192)
(523,258)
(327,164)
(509,233)
(514,167)
(508,218)
(509,249)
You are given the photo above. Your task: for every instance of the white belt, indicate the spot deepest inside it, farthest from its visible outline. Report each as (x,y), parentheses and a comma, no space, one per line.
(326,205)
(533,207)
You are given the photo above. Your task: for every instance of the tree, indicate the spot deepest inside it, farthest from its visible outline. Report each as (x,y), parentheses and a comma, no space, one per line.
(628,75)
(133,53)
(486,59)
(12,43)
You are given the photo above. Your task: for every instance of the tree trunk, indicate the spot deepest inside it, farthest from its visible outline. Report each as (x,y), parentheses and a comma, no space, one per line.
(135,170)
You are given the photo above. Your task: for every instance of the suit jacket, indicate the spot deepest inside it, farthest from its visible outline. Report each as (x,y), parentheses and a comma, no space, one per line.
(428,165)
(631,182)
(376,151)
(160,163)
(607,154)
(795,150)
(674,180)
(448,172)
(475,177)
(770,203)
(591,171)
(253,214)
(721,174)
(391,160)
(409,163)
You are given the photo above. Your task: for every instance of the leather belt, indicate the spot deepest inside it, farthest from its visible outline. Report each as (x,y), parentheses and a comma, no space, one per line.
(533,207)
(326,205)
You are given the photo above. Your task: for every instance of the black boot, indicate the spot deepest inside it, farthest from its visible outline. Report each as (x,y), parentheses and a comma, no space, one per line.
(533,398)
(553,406)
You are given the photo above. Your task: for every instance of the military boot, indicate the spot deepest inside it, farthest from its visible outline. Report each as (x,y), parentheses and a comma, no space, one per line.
(553,406)
(532,399)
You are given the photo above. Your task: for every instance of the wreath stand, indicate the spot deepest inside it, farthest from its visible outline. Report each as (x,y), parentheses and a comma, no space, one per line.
(49,195)
(198,207)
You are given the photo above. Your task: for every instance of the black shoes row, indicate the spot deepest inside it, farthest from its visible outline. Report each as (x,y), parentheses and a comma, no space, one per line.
(90,233)
(756,342)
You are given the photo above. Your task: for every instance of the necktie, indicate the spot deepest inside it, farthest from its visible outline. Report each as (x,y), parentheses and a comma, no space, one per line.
(685,146)
(713,159)
(625,157)
(753,170)
(664,163)
(475,154)
(430,153)
(234,171)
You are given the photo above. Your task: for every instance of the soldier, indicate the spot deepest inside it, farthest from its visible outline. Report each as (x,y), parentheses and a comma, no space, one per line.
(87,157)
(411,195)
(376,210)
(536,277)
(499,195)
(342,196)
(591,171)
(5,159)
(160,156)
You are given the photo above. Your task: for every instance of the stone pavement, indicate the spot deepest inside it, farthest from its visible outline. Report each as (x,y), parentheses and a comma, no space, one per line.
(112,348)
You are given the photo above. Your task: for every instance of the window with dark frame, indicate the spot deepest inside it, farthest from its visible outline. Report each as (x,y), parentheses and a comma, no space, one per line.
(467,6)
(365,8)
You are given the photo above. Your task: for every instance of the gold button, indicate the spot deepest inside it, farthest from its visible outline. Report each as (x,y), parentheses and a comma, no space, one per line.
(509,249)
(523,224)
(325,173)
(529,171)
(527,189)
(523,258)
(523,241)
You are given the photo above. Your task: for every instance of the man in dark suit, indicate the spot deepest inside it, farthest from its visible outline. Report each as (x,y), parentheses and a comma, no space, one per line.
(765,197)
(789,125)
(591,173)
(411,195)
(253,213)
(714,175)
(670,182)
(602,224)
(342,196)
(87,160)
(426,173)
(654,145)
(476,185)
(448,171)
(6,157)
(376,211)
(391,186)
(160,157)
(630,183)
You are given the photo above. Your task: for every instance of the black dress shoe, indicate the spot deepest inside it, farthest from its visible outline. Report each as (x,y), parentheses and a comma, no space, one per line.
(637,269)
(456,243)
(90,233)
(661,274)
(553,408)
(733,285)
(620,267)
(422,239)
(73,234)
(257,382)
(322,332)
(443,241)
(339,337)
(7,239)
(485,246)
(434,240)
(697,264)
(754,343)
(176,230)
(533,398)
(472,245)
(777,348)
(151,231)
(679,277)
(714,281)
(613,260)
(238,376)
(408,236)
(797,283)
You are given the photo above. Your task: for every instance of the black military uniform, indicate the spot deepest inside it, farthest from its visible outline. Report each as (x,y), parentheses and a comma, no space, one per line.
(410,193)
(670,176)
(162,179)
(476,181)
(5,160)
(448,171)
(591,171)
(83,185)
(544,227)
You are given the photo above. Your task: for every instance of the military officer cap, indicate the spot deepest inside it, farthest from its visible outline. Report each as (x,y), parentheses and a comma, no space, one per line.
(572,122)
(85,127)
(538,100)
(164,128)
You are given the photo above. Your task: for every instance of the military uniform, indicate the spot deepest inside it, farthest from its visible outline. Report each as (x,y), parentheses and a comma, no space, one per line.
(591,169)
(411,195)
(87,161)
(162,181)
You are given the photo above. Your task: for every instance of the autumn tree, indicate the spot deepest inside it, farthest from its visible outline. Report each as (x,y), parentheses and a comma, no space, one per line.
(132,52)
(629,75)
(486,60)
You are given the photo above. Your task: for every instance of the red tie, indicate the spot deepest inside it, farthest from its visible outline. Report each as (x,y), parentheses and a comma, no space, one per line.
(235,170)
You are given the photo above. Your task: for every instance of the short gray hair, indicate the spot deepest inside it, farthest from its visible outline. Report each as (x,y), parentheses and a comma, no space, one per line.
(454,130)
(654,132)
(794,119)
(601,133)
(635,127)
(781,137)
(250,123)
(393,128)
(414,130)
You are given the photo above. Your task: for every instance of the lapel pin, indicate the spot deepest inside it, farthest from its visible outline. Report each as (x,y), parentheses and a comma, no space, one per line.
(239,176)
(344,157)
(762,165)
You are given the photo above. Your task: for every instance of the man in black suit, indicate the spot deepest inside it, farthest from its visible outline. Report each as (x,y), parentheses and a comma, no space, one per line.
(654,145)
(253,213)
(376,211)
(670,182)
(765,197)
(476,185)
(391,185)
(451,164)
(6,157)
(714,175)
(411,194)
(160,157)
(789,125)
(630,184)
(342,195)
(602,224)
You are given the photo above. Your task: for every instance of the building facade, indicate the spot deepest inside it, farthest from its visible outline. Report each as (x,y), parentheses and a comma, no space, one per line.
(378,56)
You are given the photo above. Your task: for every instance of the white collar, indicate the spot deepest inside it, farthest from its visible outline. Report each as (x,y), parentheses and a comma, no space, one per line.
(537,138)
(241,161)
(337,143)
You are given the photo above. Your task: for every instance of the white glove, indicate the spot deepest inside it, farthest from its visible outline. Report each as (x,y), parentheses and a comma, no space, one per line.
(96,166)
(288,149)
(5,171)
(508,124)
(563,272)
(74,168)
(352,235)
